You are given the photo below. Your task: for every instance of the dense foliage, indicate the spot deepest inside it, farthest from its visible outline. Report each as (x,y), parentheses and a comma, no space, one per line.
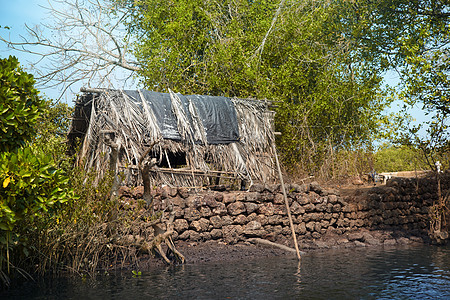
(33,186)
(292,52)
(19,105)
(413,38)
(390,158)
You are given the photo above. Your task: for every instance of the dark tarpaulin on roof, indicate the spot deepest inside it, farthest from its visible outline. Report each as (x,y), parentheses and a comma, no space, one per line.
(216,113)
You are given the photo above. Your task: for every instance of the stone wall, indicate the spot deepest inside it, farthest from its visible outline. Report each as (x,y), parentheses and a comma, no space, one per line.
(401,205)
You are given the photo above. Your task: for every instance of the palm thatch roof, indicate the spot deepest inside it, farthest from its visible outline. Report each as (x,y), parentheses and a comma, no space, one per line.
(197,139)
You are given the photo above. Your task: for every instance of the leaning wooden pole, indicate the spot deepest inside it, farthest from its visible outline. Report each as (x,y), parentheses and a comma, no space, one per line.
(288,209)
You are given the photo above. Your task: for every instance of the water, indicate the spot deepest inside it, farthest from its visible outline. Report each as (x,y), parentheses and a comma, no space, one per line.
(408,272)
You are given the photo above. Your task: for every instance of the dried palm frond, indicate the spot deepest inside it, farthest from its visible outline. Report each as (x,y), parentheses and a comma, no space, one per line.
(135,127)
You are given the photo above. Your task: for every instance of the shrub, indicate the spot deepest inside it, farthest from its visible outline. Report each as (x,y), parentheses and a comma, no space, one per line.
(391,158)
(32,186)
(20,105)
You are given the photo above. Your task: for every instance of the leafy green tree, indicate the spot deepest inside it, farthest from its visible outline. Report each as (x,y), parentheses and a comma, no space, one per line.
(292,52)
(51,132)
(19,105)
(391,158)
(32,186)
(411,37)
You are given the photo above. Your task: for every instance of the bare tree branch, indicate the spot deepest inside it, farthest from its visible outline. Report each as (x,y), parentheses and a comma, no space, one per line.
(83,41)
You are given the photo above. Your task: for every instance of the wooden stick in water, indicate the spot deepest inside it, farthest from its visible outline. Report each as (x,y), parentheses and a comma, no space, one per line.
(286,202)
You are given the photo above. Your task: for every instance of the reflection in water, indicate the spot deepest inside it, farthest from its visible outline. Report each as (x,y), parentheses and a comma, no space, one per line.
(368,273)
(298,273)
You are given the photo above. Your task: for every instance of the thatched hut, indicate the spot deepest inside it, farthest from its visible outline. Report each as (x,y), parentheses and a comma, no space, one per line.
(196,140)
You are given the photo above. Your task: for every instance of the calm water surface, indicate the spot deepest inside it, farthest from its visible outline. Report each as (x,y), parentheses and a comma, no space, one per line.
(414,272)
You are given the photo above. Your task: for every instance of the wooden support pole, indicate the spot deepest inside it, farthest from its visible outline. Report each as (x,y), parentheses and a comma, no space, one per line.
(109,140)
(286,202)
(145,165)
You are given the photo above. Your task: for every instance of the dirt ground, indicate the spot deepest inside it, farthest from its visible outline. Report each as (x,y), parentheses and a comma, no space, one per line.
(216,251)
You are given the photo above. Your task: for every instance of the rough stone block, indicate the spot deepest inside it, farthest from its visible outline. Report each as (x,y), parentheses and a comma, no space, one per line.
(253,225)
(216,221)
(200,225)
(277,229)
(251,207)
(124,191)
(184,236)
(264,197)
(206,236)
(138,192)
(257,187)
(297,209)
(165,191)
(206,212)
(275,220)
(301,228)
(359,244)
(180,225)
(179,212)
(240,219)
(178,201)
(229,198)
(194,236)
(255,233)
(302,199)
(309,207)
(272,188)
(220,210)
(359,223)
(216,234)
(314,198)
(252,216)
(253,197)
(191,214)
(321,207)
(333,199)
(226,220)
(315,187)
(262,219)
(278,198)
(310,226)
(195,201)
(390,242)
(317,226)
(316,235)
(279,210)
(183,192)
(236,208)
(211,201)
(315,216)
(232,233)
(218,196)
(324,223)
(266,209)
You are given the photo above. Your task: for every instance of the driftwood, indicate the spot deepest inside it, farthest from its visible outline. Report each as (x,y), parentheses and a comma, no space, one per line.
(272,244)
(163,236)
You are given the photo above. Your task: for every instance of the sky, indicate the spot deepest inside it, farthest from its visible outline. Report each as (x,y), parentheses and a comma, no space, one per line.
(15,13)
